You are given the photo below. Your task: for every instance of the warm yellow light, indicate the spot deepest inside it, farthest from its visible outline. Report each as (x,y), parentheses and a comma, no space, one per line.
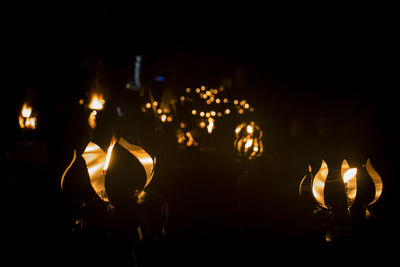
(210,125)
(163,117)
(97,102)
(169,118)
(182,98)
(26,111)
(148,105)
(188,90)
(194,112)
(246,106)
(25,119)
(213,113)
(240,111)
(159,111)
(208,93)
(204,96)
(208,114)
(242,102)
(92,119)
(249,143)
(235,102)
(219,114)
(227,111)
(349,174)
(203,88)
(202,124)
(249,129)
(202,114)
(109,152)
(225,100)
(155,103)
(217,100)
(198,90)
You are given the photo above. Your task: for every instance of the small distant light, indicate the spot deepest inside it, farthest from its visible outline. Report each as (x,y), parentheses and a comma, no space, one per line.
(208,101)
(208,114)
(194,112)
(251,109)
(169,118)
(202,114)
(81,101)
(213,113)
(163,117)
(159,111)
(159,79)
(198,90)
(227,111)
(202,124)
(155,103)
(188,90)
(235,102)
(225,100)
(212,99)
(246,106)
(217,100)
(242,102)
(182,98)
(240,111)
(208,93)
(203,88)
(204,96)
(219,114)
(148,105)
(119,111)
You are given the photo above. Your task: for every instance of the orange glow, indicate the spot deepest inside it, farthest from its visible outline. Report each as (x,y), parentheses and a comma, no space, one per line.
(210,126)
(109,152)
(349,174)
(26,111)
(25,119)
(92,119)
(97,102)
(248,144)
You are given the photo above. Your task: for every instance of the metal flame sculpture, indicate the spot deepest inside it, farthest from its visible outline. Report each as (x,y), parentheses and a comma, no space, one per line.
(97,162)
(349,177)
(248,142)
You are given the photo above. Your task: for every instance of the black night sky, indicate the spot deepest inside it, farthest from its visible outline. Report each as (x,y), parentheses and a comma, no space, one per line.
(321,84)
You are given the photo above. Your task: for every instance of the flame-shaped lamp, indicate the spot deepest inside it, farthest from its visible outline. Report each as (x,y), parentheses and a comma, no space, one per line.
(349,193)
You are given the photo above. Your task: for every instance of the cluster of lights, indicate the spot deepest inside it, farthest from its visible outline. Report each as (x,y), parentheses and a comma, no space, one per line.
(164,114)
(26,119)
(214,101)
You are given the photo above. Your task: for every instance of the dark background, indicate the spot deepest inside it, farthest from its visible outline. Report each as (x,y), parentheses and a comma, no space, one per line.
(296,67)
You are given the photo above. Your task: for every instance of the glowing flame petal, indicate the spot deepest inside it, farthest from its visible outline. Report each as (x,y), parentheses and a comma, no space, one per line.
(109,152)
(377,180)
(349,176)
(318,185)
(144,158)
(67,169)
(95,158)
